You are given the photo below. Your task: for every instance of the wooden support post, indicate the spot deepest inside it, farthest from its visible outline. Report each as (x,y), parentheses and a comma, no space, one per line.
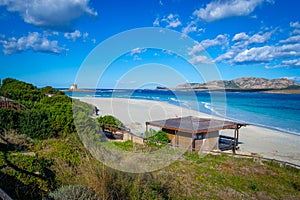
(5,101)
(234,141)
(176,139)
(193,142)
(237,136)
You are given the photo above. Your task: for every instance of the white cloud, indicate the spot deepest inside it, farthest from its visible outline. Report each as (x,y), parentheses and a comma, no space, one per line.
(264,54)
(294,25)
(156,22)
(33,41)
(189,29)
(254,55)
(291,63)
(50,33)
(200,60)
(296,28)
(292,39)
(73,35)
(220,40)
(238,51)
(137,51)
(197,48)
(226,56)
(288,50)
(243,40)
(287,64)
(172,21)
(260,38)
(223,9)
(55,14)
(78,35)
(296,32)
(85,35)
(240,36)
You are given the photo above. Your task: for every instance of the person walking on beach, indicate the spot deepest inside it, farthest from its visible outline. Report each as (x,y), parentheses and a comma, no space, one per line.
(96,111)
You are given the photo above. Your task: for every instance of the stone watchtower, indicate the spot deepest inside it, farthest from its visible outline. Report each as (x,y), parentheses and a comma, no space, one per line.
(73,87)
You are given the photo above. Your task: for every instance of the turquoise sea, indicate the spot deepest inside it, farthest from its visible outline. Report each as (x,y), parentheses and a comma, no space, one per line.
(274,111)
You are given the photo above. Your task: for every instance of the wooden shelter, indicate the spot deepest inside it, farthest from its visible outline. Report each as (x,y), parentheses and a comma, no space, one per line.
(194,133)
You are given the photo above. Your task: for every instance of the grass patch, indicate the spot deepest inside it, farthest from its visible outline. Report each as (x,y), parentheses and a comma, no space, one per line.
(190,177)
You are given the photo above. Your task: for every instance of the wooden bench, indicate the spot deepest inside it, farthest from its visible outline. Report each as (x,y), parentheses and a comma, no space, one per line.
(227,142)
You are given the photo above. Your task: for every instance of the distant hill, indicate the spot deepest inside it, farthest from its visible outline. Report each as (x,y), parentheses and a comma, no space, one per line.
(246,83)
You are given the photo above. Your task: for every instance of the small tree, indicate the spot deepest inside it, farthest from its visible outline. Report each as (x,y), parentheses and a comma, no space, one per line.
(51,90)
(157,136)
(161,136)
(109,120)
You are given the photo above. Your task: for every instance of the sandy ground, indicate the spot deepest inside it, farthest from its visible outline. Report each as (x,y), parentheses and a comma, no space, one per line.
(134,113)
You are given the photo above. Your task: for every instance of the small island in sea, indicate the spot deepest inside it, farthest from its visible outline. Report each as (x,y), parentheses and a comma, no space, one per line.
(246,84)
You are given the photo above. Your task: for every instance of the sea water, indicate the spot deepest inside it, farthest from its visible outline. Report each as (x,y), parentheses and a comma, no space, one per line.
(275,111)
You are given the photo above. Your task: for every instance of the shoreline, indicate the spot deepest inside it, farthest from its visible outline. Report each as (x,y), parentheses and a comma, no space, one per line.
(264,126)
(215,116)
(267,90)
(134,113)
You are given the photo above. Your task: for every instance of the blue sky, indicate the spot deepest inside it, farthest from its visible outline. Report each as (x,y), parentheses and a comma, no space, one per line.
(45,42)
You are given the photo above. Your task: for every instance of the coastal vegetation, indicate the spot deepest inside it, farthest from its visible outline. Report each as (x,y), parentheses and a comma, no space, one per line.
(156,137)
(109,120)
(42,156)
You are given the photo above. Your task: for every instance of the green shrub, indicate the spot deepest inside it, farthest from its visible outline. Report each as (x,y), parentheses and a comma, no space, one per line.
(157,136)
(51,90)
(64,151)
(73,192)
(26,176)
(126,146)
(36,124)
(109,120)
(9,119)
(20,91)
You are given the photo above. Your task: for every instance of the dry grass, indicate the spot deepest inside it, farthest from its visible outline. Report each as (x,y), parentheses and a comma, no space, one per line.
(191,177)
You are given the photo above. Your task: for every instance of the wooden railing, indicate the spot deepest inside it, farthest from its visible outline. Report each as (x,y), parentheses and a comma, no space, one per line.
(4,196)
(9,104)
(258,158)
(114,129)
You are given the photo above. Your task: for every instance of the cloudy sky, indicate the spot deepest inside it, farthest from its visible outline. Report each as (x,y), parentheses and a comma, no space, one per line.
(46,41)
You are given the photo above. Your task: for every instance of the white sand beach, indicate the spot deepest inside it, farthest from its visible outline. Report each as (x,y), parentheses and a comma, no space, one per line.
(134,113)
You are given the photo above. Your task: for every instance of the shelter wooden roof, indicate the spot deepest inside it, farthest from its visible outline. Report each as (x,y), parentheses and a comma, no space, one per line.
(195,125)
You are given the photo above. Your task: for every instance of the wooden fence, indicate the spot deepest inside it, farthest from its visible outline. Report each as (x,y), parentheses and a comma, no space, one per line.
(258,158)
(4,196)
